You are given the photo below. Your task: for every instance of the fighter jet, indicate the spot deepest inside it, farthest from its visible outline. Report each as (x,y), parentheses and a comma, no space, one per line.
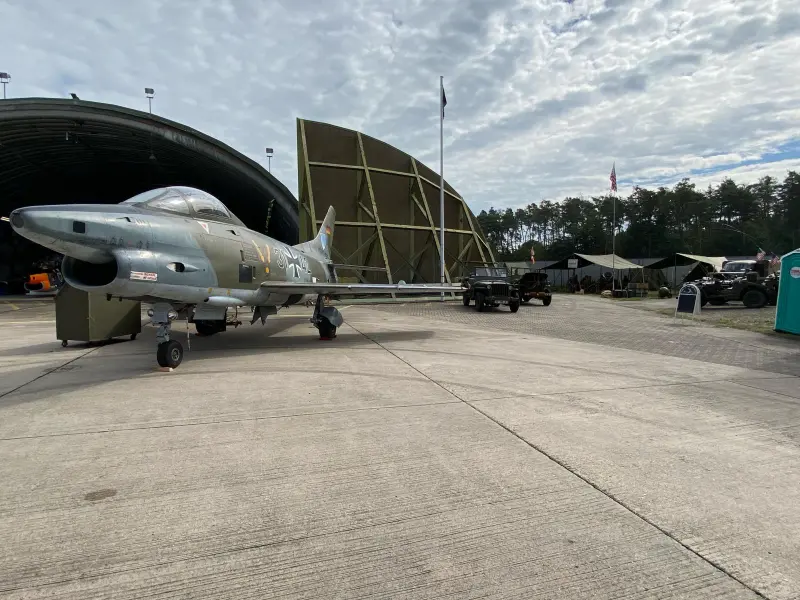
(182,251)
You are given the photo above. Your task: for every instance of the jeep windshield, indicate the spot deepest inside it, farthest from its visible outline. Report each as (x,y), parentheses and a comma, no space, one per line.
(738,266)
(490,272)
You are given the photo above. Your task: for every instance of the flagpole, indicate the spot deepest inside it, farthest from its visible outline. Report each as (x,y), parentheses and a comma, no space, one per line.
(614,240)
(441,175)
(614,229)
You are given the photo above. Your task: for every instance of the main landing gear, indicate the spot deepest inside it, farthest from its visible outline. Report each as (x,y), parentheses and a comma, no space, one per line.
(170,352)
(326,319)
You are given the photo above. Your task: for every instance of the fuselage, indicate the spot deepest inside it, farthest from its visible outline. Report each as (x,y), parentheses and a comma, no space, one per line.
(138,252)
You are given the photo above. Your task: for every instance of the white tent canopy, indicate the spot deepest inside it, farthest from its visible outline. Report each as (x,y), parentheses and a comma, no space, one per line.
(681,259)
(608,261)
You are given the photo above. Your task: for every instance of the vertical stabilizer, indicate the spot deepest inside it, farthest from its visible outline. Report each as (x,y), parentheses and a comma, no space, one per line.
(321,245)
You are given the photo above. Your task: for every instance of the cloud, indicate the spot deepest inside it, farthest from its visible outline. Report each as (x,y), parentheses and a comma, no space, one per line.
(542,95)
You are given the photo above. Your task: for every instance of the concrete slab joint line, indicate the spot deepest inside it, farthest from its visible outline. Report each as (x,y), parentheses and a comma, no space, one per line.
(571,470)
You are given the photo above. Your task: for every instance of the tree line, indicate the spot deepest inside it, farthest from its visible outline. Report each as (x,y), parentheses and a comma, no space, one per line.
(729,219)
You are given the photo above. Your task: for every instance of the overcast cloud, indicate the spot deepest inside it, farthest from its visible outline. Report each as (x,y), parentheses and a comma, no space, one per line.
(543,95)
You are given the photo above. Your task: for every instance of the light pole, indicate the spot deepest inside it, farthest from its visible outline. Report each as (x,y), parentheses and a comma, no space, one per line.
(269,159)
(149,92)
(5,78)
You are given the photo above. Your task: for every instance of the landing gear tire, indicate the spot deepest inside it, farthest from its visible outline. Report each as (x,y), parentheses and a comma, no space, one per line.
(327,331)
(169,354)
(514,306)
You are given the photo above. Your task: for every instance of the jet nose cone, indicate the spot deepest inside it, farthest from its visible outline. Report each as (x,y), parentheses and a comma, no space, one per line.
(16,219)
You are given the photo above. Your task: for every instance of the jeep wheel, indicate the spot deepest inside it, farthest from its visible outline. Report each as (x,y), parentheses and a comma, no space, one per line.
(514,306)
(547,300)
(754,298)
(479,302)
(465,299)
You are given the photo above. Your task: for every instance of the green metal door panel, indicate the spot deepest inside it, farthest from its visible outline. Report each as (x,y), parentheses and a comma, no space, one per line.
(113,318)
(84,317)
(787,313)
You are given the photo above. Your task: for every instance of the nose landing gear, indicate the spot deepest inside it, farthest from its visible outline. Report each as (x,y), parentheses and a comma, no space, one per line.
(170,352)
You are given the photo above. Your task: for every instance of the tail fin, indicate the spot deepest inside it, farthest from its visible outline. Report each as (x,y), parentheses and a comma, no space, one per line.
(323,243)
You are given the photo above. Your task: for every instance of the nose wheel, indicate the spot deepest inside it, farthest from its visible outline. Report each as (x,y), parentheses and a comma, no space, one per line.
(169,354)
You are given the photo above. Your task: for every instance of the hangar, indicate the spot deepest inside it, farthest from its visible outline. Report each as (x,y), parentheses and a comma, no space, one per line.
(387,208)
(58,151)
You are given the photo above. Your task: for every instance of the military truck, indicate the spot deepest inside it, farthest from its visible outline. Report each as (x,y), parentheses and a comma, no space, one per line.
(489,287)
(533,285)
(753,287)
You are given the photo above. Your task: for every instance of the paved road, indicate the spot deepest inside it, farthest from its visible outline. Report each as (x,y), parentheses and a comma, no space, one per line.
(409,458)
(622,325)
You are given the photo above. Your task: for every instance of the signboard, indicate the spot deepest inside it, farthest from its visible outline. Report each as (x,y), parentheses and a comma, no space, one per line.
(795,272)
(572,263)
(688,300)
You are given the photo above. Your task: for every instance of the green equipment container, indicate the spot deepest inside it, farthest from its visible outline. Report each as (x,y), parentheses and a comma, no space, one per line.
(89,317)
(787,313)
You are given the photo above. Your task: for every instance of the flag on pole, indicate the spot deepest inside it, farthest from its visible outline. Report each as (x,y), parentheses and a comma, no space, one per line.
(444,101)
(776,260)
(761,254)
(614,177)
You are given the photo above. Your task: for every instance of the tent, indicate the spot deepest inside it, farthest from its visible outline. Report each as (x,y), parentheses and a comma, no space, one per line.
(609,261)
(681,259)
(612,262)
(705,264)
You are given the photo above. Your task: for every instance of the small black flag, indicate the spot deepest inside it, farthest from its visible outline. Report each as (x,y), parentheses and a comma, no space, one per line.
(444,102)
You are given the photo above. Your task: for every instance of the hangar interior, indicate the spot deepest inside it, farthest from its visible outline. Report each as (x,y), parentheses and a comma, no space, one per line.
(59,151)
(387,208)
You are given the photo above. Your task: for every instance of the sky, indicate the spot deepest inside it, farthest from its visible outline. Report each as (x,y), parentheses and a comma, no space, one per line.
(543,96)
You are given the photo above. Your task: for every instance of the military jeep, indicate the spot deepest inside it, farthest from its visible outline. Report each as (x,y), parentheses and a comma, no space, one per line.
(753,287)
(534,285)
(489,287)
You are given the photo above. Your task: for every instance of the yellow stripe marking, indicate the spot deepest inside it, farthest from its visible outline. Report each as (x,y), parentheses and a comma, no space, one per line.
(260,255)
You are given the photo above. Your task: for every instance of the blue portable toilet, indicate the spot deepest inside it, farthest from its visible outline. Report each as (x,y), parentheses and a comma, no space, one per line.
(787,313)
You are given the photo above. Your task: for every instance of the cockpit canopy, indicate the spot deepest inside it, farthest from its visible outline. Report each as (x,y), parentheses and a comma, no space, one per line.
(187,201)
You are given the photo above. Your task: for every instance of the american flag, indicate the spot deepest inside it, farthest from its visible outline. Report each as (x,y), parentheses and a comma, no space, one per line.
(776,260)
(614,177)
(761,254)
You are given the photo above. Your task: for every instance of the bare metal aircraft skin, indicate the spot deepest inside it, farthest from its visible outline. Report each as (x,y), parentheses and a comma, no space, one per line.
(181,250)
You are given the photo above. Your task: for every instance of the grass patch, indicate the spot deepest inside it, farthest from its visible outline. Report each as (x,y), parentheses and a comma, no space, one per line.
(763,322)
(757,325)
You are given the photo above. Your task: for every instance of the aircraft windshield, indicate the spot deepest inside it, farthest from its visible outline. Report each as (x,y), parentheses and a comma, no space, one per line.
(179,199)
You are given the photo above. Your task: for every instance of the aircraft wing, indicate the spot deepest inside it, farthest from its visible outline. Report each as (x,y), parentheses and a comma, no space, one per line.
(331,288)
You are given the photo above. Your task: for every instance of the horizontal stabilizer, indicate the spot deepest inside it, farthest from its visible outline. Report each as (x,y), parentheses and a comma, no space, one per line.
(290,287)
